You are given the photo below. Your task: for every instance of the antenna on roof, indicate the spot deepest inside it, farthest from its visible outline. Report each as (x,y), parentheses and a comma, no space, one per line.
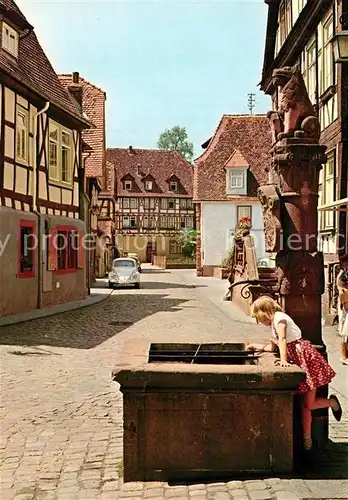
(251,102)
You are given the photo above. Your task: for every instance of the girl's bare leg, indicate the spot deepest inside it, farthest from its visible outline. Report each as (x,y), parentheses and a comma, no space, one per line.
(314,403)
(310,403)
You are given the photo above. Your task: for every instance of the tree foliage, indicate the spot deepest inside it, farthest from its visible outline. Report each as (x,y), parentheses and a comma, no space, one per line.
(188,239)
(176,139)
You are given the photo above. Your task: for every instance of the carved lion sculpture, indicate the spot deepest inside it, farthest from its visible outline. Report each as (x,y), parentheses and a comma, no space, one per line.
(296,115)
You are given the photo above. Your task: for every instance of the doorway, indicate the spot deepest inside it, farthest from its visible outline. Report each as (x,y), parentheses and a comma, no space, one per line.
(151,249)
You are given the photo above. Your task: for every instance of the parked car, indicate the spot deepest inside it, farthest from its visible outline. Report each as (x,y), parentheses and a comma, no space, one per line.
(124,272)
(135,256)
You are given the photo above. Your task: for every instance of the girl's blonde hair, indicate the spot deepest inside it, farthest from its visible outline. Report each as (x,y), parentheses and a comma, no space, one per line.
(264,308)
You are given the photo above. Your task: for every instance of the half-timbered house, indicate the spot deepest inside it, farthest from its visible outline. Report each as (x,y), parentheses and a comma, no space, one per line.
(98,199)
(302,33)
(41,180)
(226,177)
(154,200)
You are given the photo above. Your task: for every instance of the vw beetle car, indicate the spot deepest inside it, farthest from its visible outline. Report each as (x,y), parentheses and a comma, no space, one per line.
(124,272)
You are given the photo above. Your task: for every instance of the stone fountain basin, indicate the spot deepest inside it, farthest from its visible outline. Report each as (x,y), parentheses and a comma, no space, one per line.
(186,419)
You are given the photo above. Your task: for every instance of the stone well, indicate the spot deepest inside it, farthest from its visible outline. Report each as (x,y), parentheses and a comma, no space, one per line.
(205,411)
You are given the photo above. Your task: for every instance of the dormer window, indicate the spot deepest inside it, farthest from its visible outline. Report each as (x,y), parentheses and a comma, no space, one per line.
(148,185)
(10,39)
(128,185)
(173,186)
(236,181)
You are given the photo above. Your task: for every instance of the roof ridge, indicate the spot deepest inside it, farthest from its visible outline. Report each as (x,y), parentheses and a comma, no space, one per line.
(69,75)
(245,115)
(148,149)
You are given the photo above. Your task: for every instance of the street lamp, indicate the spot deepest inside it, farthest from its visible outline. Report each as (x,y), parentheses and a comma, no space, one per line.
(340,46)
(340,41)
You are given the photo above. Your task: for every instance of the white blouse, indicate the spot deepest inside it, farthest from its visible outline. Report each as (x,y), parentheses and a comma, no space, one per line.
(292,330)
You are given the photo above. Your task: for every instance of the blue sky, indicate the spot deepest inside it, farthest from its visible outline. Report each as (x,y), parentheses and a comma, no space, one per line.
(162,63)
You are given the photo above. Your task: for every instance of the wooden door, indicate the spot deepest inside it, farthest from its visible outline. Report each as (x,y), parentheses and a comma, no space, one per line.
(150,251)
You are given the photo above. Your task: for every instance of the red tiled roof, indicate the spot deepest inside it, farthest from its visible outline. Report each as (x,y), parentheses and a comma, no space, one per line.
(237,138)
(93,106)
(33,69)
(159,163)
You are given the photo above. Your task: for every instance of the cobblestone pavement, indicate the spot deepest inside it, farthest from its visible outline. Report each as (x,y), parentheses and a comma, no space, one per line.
(61,416)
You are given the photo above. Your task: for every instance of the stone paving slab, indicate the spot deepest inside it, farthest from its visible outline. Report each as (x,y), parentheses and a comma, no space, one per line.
(62,427)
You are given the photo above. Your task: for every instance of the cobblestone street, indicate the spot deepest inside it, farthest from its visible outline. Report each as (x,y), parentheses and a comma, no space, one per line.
(61,430)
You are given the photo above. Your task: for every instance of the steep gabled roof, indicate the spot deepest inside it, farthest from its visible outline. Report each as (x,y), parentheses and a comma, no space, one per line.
(238,138)
(33,69)
(93,107)
(159,163)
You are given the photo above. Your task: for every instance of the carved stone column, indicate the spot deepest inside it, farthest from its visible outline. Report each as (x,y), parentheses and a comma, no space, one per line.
(290,210)
(297,163)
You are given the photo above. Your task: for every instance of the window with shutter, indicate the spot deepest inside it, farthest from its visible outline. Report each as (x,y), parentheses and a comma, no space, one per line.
(22,135)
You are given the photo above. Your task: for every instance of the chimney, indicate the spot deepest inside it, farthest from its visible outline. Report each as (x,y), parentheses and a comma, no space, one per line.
(75,88)
(130,150)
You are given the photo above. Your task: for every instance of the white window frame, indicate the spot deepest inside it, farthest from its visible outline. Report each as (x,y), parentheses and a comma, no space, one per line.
(297,7)
(53,168)
(236,181)
(133,218)
(173,186)
(309,69)
(189,222)
(10,39)
(56,170)
(66,147)
(325,55)
(126,222)
(148,185)
(326,196)
(22,135)
(128,185)
(240,208)
(183,203)
(164,222)
(171,222)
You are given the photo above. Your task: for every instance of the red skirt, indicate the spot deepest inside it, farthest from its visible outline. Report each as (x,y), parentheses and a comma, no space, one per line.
(318,372)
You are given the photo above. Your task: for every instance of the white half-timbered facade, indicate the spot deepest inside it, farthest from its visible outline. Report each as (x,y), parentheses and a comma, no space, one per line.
(154,200)
(41,229)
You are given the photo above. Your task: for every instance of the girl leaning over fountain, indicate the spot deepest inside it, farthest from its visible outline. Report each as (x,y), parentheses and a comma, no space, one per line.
(287,337)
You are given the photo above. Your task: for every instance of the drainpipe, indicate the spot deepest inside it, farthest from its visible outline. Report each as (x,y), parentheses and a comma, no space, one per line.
(35,211)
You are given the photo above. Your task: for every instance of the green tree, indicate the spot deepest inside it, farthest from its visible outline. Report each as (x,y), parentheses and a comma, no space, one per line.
(188,239)
(176,139)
